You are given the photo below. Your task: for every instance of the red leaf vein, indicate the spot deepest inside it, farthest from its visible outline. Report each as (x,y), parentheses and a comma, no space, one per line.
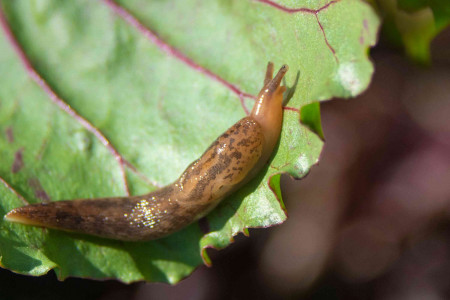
(67,108)
(305,10)
(9,187)
(172,51)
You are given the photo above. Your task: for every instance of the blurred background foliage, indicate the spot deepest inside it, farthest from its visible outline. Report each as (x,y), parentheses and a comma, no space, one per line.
(413,24)
(371,221)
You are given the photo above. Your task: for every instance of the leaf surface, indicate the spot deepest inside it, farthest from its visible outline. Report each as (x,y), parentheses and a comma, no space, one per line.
(100,96)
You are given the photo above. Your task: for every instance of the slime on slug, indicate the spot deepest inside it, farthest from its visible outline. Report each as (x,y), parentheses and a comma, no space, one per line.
(230,161)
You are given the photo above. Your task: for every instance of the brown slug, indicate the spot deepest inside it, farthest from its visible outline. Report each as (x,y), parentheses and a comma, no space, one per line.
(232,160)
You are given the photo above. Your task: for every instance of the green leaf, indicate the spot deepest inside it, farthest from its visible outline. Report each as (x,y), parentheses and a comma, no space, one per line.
(310,117)
(160,100)
(414,24)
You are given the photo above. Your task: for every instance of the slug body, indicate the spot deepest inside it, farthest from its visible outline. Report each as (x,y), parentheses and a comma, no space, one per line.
(232,160)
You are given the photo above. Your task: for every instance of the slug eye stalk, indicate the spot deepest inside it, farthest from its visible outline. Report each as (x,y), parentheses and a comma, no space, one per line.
(274,84)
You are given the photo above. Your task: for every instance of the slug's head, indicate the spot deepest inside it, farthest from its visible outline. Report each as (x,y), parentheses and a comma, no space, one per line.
(270,97)
(268,111)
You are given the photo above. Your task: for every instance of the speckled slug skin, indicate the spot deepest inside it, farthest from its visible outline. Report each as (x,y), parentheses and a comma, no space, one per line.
(232,160)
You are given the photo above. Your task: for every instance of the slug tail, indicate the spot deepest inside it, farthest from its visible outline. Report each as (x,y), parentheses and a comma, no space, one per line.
(134,218)
(60,215)
(24,215)
(100,217)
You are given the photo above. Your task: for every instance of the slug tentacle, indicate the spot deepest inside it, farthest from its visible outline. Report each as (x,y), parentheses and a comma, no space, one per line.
(269,73)
(232,160)
(274,84)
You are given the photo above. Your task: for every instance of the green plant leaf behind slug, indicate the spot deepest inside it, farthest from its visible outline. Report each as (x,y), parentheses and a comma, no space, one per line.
(160,111)
(413,24)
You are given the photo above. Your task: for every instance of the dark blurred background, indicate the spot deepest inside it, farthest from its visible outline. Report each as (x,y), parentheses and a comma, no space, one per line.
(371,221)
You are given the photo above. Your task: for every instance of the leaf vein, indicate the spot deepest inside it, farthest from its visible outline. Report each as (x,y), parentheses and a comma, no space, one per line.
(67,108)
(172,51)
(9,187)
(306,10)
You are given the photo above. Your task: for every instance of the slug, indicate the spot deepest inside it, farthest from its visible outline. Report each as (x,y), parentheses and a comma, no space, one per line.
(230,161)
